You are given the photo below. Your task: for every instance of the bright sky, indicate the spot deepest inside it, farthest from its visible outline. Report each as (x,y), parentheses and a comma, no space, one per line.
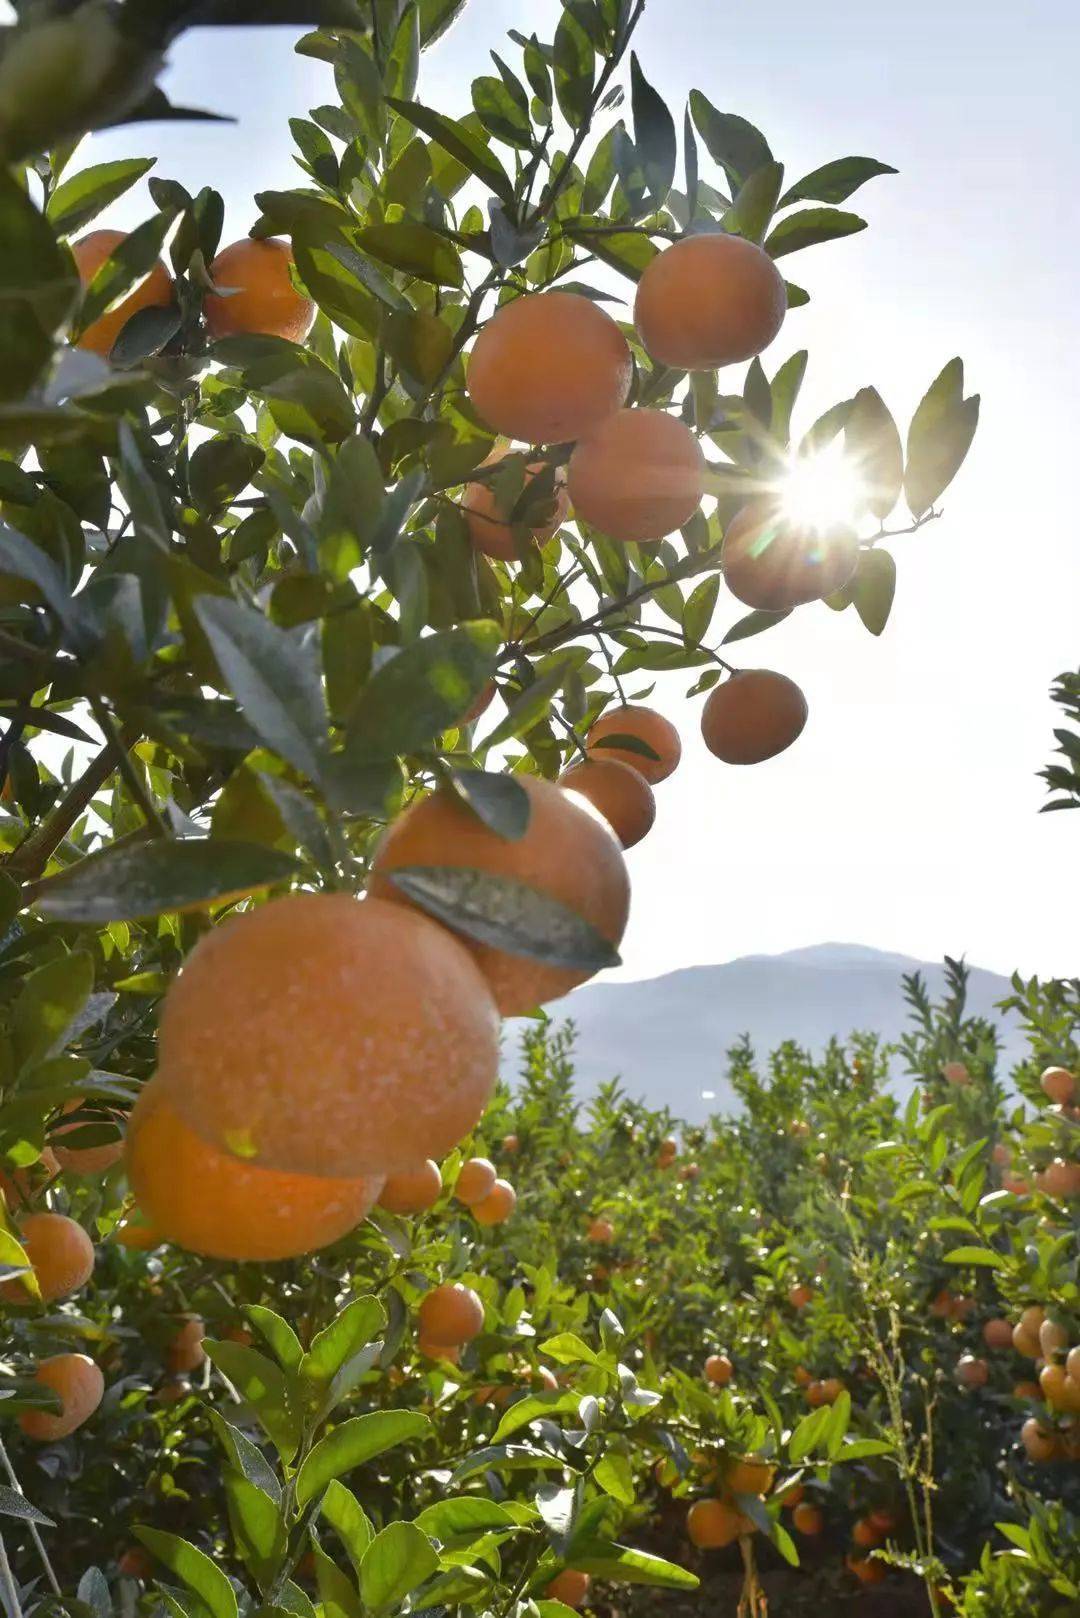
(906,816)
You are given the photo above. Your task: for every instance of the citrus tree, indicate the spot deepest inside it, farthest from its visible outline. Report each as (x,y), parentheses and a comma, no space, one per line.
(340,561)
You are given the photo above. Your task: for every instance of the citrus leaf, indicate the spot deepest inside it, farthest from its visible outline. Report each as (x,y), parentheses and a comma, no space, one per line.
(836,181)
(499,801)
(353,1443)
(461,143)
(809,227)
(422,690)
(132,880)
(397,1560)
(193,1568)
(939,438)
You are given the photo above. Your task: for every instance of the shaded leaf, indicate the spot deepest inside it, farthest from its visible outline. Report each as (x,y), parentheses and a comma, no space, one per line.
(131,880)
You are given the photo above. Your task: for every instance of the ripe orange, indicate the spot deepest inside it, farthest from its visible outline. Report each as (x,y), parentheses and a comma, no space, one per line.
(1026,1331)
(972,1372)
(497,1206)
(719,1369)
(186,1352)
(792,1497)
(79,1384)
(644,725)
(1053,1338)
(438,1351)
(713,1523)
(866,1533)
(412,1191)
(866,1571)
(263,299)
(799,1296)
(1059,1179)
(136,1233)
(770,564)
(1027,1390)
(753,716)
(155,291)
(450,1315)
(749,1476)
(689,1171)
(617,791)
(85,1159)
(956,1073)
(808,1518)
(569,1587)
(489,521)
(547,367)
(997,1333)
(1002,1154)
(567,853)
(213,1203)
(320,1035)
(475,1181)
(1072,1363)
(17,1187)
(1059,1390)
(135,1563)
(1040,1442)
(637,476)
(884,1520)
(60,1253)
(709,300)
(1058,1085)
(511,1145)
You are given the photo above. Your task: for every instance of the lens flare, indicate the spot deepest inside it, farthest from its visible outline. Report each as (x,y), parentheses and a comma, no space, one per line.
(822,492)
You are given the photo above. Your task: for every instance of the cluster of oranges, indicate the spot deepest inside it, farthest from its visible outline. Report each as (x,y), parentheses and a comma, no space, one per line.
(1039,1337)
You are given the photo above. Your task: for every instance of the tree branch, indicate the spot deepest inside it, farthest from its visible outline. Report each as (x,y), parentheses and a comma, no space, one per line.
(35,851)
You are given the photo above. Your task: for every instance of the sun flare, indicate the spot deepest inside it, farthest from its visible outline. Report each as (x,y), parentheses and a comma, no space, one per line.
(822,491)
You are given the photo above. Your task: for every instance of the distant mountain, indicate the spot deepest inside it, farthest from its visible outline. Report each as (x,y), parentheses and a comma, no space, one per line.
(665,1038)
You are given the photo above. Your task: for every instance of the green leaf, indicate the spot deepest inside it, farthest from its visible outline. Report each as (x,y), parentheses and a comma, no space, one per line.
(265,1387)
(754,624)
(654,135)
(755,202)
(809,227)
(697,614)
(49,1003)
(624,1565)
(808,1434)
(615,1476)
(357,1325)
(534,1407)
(220,469)
(422,690)
(258,1526)
(874,588)
(23,559)
(82,197)
(872,440)
(505,1458)
(504,114)
(15,1504)
(836,181)
(353,1443)
(274,676)
(347,1517)
(566,1348)
(419,341)
(464,1518)
(130,260)
(784,391)
(131,880)
(574,67)
(506,914)
(500,801)
(416,249)
(397,1560)
(457,139)
(278,1334)
(193,1568)
(984,1257)
(245,1457)
(736,145)
(38,287)
(338,1596)
(939,438)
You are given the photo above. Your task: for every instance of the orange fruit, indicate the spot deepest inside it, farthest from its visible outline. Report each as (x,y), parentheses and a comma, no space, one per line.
(79,1384)
(801,1376)
(17,1186)
(438,1351)
(1058,1085)
(884,1520)
(567,853)
(689,1171)
(1053,1338)
(1026,1332)
(770,564)
(719,1369)
(709,300)
(866,1533)
(320,1035)
(866,1571)
(475,1181)
(511,1145)
(997,1333)
(412,1191)
(711,1524)
(136,1233)
(135,1563)
(799,1296)
(569,1587)
(1072,1364)
(972,1372)
(1040,1442)
(601,1230)
(749,1476)
(547,367)
(1059,1390)
(956,1073)
(637,476)
(808,1518)
(645,725)
(450,1315)
(497,1206)
(489,520)
(85,1159)
(617,791)
(61,1255)
(753,716)
(790,1498)
(213,1203)
(262,298)
(1002,1154)
(186,1352)
(1027,1390)
(155,291)
(1059,1179)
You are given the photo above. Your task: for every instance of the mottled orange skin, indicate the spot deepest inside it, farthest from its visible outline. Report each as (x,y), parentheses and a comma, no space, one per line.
(412,1191)
(476,1180)
(712,1524)
(155,291)
(214,1203)
(318,1034)
(1058,1085)
(709,300)
(753,716)
(548,367)
(450,1315)
(997,1334)
(637,476)
(567,852)
(497,1206)
(264,301)
(488,521)
(80,1385)
(749,1476)
(61,1254)
(645,725)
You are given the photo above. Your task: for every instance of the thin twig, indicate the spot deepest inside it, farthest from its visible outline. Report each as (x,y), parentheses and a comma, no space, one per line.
(122,756)
(34,852)
(7,1584)
(13,1479)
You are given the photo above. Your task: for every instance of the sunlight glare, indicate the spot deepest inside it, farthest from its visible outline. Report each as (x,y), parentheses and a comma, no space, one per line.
(822,491)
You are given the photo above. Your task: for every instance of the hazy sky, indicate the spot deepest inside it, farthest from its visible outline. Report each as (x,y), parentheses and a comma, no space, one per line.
(906,816)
